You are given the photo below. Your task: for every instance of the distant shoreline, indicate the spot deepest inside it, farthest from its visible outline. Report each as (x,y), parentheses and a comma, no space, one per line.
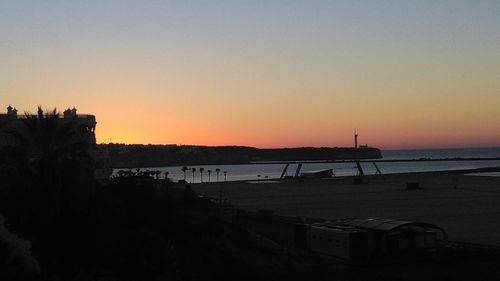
(124,156)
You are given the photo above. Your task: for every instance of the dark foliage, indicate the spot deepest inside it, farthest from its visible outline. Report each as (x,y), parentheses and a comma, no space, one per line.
(137,227)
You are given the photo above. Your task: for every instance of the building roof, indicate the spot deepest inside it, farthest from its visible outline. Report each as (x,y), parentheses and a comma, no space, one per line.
(386,225)
(337,227)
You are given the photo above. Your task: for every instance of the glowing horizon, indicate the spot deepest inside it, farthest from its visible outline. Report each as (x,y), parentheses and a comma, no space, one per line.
(412,74)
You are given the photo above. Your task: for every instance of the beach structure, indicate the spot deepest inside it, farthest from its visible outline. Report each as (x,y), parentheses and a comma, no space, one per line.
(335,240)
(361,238)
(390,236)
(361,172)
(319,174)
(283,174)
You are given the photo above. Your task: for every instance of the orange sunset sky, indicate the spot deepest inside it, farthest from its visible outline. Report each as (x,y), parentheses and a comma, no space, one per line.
(404,74)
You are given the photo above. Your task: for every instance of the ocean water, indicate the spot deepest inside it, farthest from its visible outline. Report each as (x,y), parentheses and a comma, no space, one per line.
(483,152)
(272,171)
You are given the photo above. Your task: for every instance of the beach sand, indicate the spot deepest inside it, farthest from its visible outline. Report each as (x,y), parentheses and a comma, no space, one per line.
(467,207)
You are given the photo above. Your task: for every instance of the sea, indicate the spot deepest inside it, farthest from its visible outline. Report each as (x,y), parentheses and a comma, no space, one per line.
(259,172)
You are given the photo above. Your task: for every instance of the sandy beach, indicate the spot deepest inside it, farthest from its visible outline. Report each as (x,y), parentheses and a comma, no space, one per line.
(467,207)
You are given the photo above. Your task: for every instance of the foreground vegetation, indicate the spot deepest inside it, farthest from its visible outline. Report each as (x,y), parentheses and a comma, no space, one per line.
(58,223)
(134,228)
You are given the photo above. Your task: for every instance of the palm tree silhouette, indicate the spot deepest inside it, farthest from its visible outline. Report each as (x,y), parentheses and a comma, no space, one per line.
(217,171)
(46,137)
(201,174)
(184,170)
(225,174)
(209,173)
(193,170)
(60,160)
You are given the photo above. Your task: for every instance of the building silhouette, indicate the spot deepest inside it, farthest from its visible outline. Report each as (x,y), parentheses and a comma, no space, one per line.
(14,122)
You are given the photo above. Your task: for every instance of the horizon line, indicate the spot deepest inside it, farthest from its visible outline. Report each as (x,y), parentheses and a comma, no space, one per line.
(310,146)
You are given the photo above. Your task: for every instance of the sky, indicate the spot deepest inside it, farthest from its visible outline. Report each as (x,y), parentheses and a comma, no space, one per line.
(403,74)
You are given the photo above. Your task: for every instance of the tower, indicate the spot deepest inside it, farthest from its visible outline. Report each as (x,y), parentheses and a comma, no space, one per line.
(355,139)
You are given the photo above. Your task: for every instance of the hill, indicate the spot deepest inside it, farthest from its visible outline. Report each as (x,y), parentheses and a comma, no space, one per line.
(125,156)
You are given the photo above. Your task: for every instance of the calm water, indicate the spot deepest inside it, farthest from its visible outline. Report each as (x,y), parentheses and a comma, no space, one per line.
(271,171)
(490,152)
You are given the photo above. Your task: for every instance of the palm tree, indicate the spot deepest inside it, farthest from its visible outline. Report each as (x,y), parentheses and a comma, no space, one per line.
(201,174)
(184,170)
(48,140)
(45,136)
(193,170)
(60,159)
(217,171)
(209,173)
(225,174)
(166,174)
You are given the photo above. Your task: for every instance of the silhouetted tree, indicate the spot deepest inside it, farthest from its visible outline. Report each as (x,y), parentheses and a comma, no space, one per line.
(201,174)
(217,171)
(47,137)
(193,170)
(209,173)
(184,170)
(58,184)
(59,155)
